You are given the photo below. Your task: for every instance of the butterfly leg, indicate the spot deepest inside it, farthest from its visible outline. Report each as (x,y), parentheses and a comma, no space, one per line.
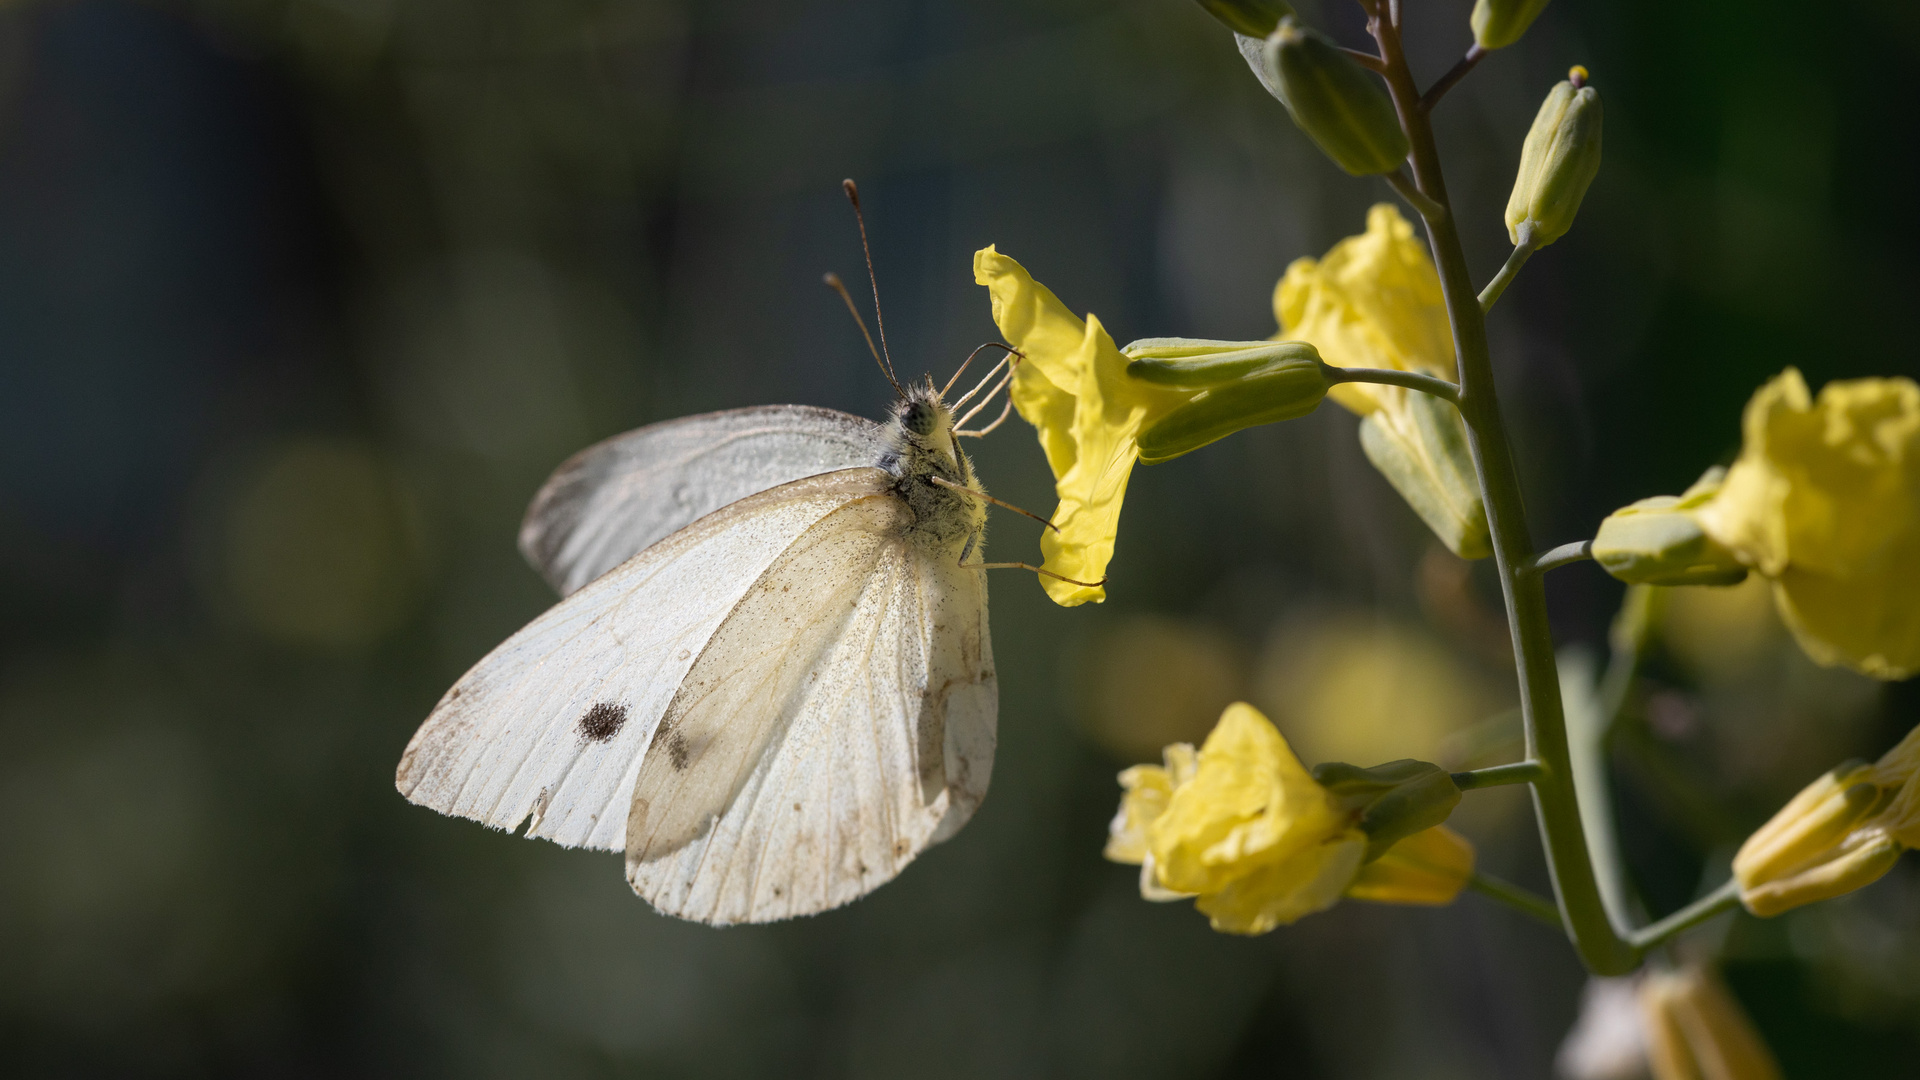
(945,483)
(964,565)
(1005,411)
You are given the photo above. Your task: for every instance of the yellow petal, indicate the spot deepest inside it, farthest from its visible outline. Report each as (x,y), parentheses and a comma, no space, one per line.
(1825,500)
(1145,791)
(1809,829)
(1250,805)
(1429,867)
(1073,388)
(1373,301)
(1279,892)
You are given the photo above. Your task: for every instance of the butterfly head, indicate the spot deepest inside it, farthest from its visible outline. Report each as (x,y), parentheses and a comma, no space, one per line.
(924,426)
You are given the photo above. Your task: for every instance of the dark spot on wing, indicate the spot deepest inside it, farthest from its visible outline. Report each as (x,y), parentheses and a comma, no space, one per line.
(603,721)
(677,751)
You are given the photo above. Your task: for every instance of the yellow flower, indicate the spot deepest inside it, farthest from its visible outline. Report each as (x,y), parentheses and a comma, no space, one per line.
(1697,1031)
(1375,301)
(1073,388)
(1244,829)
(1841,833)
(1825,501)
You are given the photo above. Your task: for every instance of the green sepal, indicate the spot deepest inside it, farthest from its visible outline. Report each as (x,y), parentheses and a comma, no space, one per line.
(1342,106)
(1658,541)
(1254,18)
(1199,364)
(1431,466)
(1282,391)
(1395,800)
(1499,23)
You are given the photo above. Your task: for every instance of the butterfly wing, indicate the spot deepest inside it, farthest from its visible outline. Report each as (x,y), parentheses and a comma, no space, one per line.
(617,497)
(553,723)
(839,721)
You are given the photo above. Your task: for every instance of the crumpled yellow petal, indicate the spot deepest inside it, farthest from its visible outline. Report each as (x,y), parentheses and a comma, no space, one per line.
(1073,388)
(1373,301)
(1283,891)
(1252,807)
(1825,500)
(1145,791)
(1429,867)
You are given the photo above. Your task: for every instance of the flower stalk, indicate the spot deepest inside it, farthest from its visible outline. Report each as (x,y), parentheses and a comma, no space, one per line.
(1601,947)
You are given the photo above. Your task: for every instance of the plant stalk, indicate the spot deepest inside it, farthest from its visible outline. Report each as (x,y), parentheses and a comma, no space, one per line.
(1576,888)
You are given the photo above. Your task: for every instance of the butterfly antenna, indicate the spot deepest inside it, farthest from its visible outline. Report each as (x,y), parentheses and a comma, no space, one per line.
(879,320)
(834,283)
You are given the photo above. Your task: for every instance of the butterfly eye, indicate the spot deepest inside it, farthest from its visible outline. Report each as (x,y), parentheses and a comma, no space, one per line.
(918,418)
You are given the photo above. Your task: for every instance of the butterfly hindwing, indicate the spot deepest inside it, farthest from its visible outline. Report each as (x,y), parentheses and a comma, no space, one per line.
(839,721)
(619,496)
(553,723)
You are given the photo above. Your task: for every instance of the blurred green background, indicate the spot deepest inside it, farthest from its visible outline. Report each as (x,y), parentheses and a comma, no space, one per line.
(300,300)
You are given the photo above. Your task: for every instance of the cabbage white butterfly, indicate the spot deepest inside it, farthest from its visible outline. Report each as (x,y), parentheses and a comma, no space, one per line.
(770,681)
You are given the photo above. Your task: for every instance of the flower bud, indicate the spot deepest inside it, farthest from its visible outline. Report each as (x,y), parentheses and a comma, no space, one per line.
(1420,446)
(1246,384)
(1558,161)
(1339,104)
(1253,18)
(1695,1028)
(1499,23)
(1659,541)
(1814,849)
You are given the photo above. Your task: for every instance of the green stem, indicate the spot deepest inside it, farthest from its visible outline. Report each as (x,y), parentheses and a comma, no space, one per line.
(1584,916)
(1508,271)
(1519,772)
(1412,380)
(1525,901)
(1724,898)
(1564,555)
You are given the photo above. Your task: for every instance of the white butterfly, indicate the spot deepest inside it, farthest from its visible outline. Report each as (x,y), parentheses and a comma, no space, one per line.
(770,682)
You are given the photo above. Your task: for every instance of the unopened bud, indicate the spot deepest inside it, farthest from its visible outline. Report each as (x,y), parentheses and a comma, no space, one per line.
(1244,384)
(1499,23)
(1558,161)
(1254,18)
(1339,104)
(1659,541)
(1817,846)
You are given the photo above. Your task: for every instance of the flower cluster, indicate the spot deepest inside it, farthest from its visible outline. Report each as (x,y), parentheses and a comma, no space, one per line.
(1244,829)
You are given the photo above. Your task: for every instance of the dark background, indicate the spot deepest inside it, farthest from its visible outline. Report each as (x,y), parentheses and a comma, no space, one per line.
(301,299)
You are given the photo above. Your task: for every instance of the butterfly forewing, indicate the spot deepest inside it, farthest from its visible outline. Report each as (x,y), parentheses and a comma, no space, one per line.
(619,496)
(553,723)
(839,721)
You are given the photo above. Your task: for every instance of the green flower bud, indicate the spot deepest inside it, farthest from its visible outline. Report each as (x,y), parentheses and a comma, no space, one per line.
(1277,381)
(1395,800)
(1421,448)
(1200,363)
(1254,18)
(1499,23)
(1659,541)
(1339,104)
(1561,154)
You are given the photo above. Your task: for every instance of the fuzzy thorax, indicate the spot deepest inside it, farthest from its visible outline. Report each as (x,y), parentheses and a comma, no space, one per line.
(920,446)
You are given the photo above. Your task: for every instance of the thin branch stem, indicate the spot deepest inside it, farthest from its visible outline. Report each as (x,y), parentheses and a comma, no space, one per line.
(1555,558)
(1412,380)
(1724,898)
(1525,901)
(1366,60)
(1518,772)
(1459,71)
(1556,803)
(1406,189)
(1505,277)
